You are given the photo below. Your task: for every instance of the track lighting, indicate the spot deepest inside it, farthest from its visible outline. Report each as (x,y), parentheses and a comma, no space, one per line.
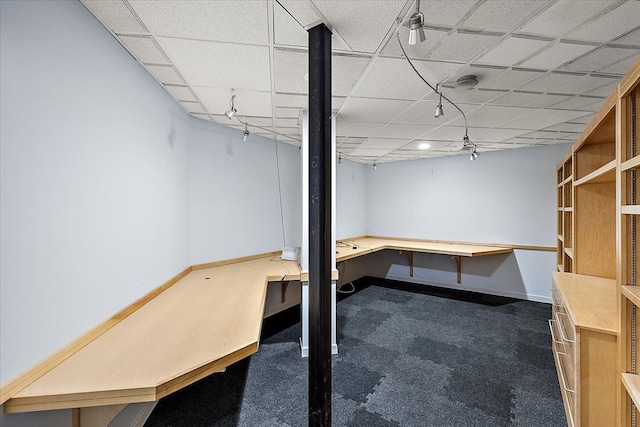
(416,23)
(474,155)
(232,111)
(439,111)
(245,135)
(339,158)
(375,166)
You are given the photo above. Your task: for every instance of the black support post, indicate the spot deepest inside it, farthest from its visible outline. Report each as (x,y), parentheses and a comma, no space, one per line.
(320,226)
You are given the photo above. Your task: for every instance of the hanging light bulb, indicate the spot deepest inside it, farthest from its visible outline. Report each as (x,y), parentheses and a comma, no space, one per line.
(439,112)
(245,135)
(232,112)
(474,155)
(375,166)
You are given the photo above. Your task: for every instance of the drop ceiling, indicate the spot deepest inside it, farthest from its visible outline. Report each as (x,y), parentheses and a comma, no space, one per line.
(544,66)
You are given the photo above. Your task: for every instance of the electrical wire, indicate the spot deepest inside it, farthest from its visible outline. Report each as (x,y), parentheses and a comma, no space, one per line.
(466,127)
(284,239)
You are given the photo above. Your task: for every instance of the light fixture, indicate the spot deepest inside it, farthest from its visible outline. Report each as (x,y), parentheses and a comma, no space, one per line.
(467,82)
(245,135)
(232,112)
(339,158)
(416,30)
(424,146)
(474,155)
(439,111)
(375,166)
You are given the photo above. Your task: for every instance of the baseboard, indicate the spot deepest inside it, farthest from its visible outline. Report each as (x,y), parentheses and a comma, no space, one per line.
(455,286)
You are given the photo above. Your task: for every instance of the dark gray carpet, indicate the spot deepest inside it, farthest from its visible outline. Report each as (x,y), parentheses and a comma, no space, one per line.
(406,359)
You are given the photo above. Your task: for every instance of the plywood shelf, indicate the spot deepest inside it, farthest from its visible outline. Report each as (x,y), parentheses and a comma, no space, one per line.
(630,164)
(568,180)
(632,293)
(630,210)
(632,385)
(569,209)
(606,173)
(561,237)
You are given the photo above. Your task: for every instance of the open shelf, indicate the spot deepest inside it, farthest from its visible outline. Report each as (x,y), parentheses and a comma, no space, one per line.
(568,180)
(630,164)
(569,209)
(606,173)
(632,293)
(632,384)
(630,210)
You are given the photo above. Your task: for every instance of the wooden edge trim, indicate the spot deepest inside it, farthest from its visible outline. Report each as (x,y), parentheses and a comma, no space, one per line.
(12,387)
(80,400)
(498,250)
(190,377)
(234,260)
(335,275)
(633,162)
(607,108)
(629,80)
(495,245)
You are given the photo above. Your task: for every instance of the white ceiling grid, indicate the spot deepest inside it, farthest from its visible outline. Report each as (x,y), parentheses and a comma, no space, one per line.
(544,66)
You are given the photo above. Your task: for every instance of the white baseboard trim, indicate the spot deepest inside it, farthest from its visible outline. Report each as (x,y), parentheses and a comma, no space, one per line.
(497,292)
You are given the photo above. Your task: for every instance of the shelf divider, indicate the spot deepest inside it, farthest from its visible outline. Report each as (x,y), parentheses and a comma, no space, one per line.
(632,384)
(634,162)
(632,293)
(630,210)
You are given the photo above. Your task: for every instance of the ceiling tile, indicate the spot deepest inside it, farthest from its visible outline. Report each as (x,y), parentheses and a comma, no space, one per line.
(600,58)
(265,122)
(286,31)
(528,99)
(620,67)
(564,16)
(363,27)
(503,79)
(181,93)
(633,38)
(372,110)
(583,119)
(192,107)
(144,49)
(493,135)
(220,64)
(290,71)
(287,123)
(408,131)
(287,113)
(247,102)
(302,10)
(391,78)
(501,15)
(511,51)
(420,50)
(447,13)
(239,21)
(492,116)
(370,152)
(166,74)
(572,84)
(462,46)
(611,25)
(384,143)
(474,96)
(291,101)
(201,116)
(360,129)
(556,55)
(433,145)
(346,72)
(115,15)
(605,90)
(583,103)
(565,127)
(543,118)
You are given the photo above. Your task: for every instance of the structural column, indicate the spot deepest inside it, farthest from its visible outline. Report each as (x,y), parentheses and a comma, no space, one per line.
(321,255)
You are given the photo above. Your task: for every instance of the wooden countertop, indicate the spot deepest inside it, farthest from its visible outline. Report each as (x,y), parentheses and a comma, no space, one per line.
(353,248)
(208,320)
(591,302)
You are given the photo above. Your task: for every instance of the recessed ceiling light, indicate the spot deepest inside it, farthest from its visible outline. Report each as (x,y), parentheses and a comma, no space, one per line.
(424,146)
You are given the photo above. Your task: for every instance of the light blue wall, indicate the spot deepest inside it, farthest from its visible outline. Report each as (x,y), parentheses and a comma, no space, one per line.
(506,197)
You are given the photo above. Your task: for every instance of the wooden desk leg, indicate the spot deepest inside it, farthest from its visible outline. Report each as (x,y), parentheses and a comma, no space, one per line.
(458,259)
(96,416)
(283,290)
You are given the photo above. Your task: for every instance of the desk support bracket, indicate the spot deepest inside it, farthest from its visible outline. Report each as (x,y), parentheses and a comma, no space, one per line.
(458,260)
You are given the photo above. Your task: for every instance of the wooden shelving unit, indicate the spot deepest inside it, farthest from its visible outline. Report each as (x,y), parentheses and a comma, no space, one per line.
(599,242)
(627,241)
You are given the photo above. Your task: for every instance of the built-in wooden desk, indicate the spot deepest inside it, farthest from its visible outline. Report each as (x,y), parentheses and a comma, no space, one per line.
(348,249)
(203,323)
